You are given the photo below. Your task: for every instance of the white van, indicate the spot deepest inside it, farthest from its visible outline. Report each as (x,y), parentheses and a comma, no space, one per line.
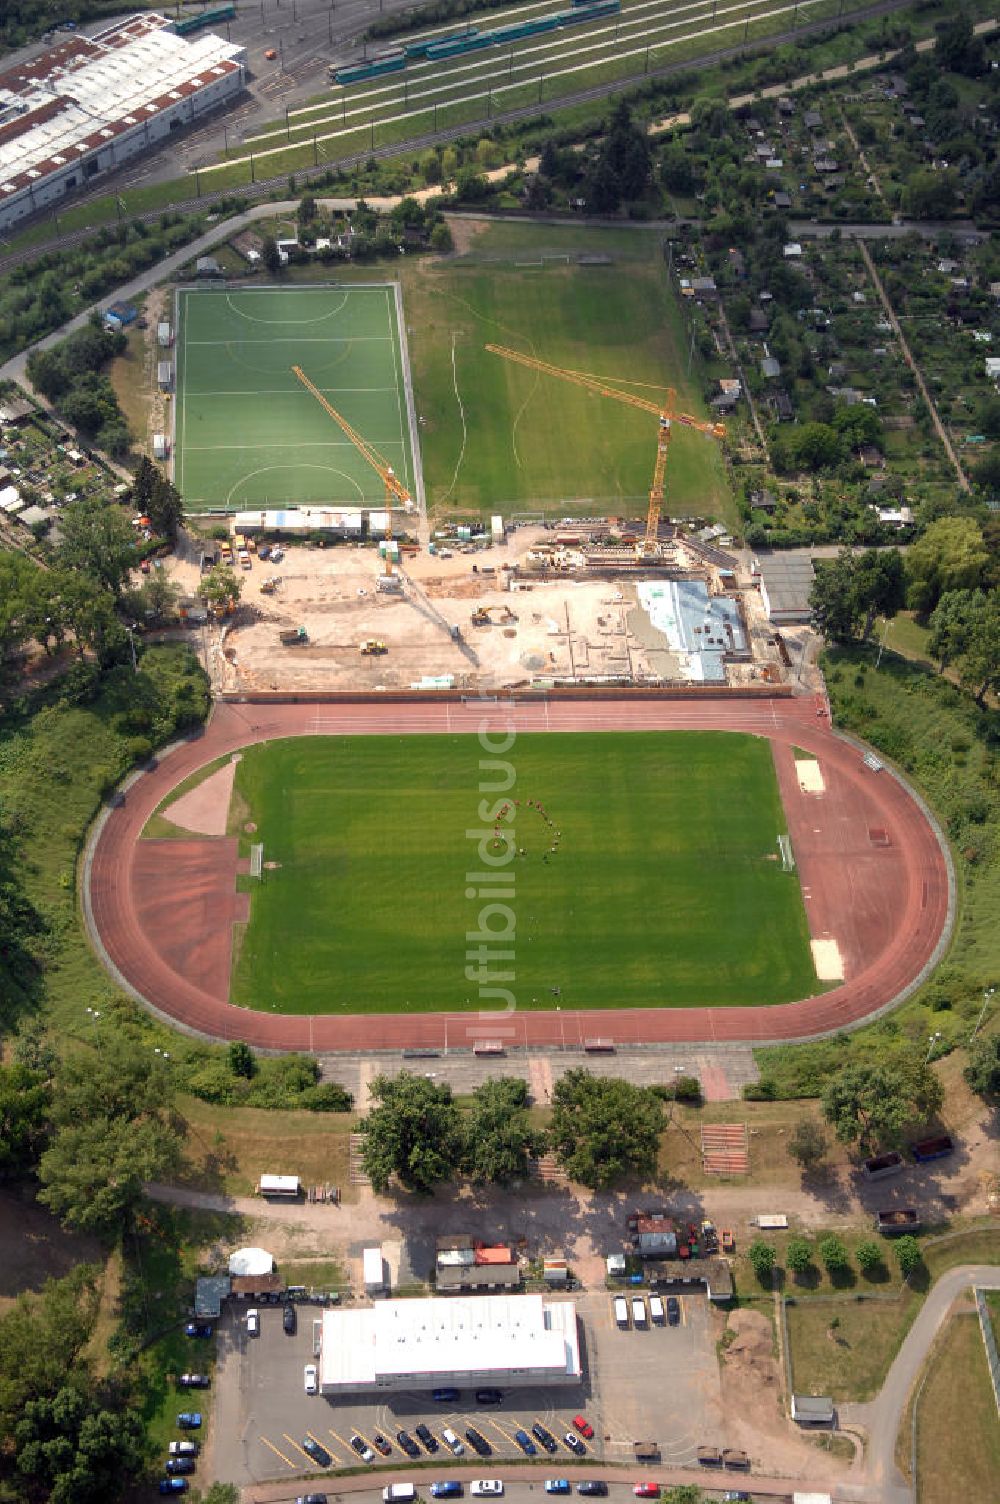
(656,1315)
(399,1493)
(621,1311)
(452,1441)
(638,1312)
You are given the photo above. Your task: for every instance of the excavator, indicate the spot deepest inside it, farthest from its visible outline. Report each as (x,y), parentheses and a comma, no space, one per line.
(649,548)
(396,493)
(482,616)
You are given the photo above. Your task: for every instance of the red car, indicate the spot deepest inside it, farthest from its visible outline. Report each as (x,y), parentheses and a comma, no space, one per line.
(584,1427)
(646,1490)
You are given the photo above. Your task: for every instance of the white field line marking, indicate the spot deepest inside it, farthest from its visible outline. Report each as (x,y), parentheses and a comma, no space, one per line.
(407,479)
(263,470)
(461,409)
(287,391)
(253,319)
(324,339)
(307,444)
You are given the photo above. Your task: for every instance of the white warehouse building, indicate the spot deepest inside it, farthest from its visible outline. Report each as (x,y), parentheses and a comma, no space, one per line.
(484,1339)
(89,104)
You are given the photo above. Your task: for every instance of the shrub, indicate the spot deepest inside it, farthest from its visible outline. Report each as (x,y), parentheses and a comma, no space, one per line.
(869,1255)
(687,1089)
(762,1259)
(908,1255)
(798,1256)
(834,1254)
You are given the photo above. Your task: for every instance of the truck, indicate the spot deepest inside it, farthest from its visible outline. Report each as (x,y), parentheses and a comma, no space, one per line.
(290,637)
(372,647)
(899,1219)
(932,1148)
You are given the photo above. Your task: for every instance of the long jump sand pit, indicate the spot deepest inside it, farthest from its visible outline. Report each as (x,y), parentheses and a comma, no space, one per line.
(887,907)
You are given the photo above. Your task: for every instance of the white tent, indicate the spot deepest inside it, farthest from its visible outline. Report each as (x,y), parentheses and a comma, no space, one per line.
(251,1261)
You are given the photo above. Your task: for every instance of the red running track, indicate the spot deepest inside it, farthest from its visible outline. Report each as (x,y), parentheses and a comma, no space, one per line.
(883,897)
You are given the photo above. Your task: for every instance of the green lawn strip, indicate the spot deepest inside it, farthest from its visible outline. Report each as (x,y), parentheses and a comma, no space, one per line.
(663,890)
(849,1360)
(498,434)
(958,1439)
(315,1274)
(249,434)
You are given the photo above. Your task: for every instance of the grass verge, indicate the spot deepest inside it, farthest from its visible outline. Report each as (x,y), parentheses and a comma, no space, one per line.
(958,1439)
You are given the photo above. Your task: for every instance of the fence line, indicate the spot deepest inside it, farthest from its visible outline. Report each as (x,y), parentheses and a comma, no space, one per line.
(990,1343)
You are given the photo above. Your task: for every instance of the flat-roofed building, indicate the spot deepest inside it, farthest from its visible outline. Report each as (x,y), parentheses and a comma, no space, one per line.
(87,105)
(486,1339)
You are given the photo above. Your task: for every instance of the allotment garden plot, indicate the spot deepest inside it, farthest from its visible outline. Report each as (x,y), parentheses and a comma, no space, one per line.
(646,873)
(249,434)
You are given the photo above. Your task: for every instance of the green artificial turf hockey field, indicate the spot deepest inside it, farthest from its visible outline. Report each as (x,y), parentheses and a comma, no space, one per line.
(663,890)
(248,434)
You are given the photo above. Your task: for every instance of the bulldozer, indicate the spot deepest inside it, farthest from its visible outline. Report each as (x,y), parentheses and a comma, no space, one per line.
(372,647)
(482,616)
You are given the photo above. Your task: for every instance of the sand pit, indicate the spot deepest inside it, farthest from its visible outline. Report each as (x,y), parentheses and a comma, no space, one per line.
(809,775)
(828,961)
(205,810)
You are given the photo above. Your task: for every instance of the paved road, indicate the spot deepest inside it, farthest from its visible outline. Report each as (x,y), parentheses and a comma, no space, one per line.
(883,1416)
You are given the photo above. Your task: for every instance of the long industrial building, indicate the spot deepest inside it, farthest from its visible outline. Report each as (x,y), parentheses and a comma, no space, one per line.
(487,1339)
(89,104)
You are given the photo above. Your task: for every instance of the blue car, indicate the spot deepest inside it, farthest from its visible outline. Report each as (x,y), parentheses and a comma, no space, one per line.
(189,1420)
(526,1444)
(447,1396)
(557,1486)
(451,1489)
(196,1329)
(173,1485)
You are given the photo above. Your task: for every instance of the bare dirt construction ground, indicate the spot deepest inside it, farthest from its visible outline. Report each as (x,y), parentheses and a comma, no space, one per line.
(34,1248)
(564,628)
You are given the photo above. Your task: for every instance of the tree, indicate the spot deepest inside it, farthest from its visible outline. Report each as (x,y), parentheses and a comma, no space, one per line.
(604,1128)
(600,189)
(983,1070)
(440,240)
(221,587)
(41,1338)
(500,1140)
(986,474)
(93,1172)
(869,1255)
(879,586)
(930,195)
(242,1060)
(950,622)
(75,1448)
(957,47)
(950,555)
(165,508)
(875,1103)
(762,1259)
(808,1144)
(414,1132)
(684,1493)
(833,1252)
(798,1255)
(270,255)
(24,1111)
(979,666)
(832,598)
(908,1255)
(98,540)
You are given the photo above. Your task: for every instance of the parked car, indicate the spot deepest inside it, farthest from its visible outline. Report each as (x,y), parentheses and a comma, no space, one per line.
(486,1488)
(646,1490)
(673,1310)
(526,1444)
(427,1437)
(620,1305)
(477,1441)
(253,1322)
(178,1465)
(316,1452)
(362,1448)
(736,1496)
(184,1448)
(173,1485)
(382,1444)
(656,1315)
(584,1427)
(489,1396)
(546,1438)
(447,1396)
(288,1320)
(592,1486)
(452,1441)
(408,1445)
(575,1444)
(638,1312)
(449,1489)
(197,1329)
(189,1420)
(193,1381)
(310,1378)
(311,1499)
(557,1486)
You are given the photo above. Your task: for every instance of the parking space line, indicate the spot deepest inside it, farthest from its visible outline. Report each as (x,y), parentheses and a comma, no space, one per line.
(505,1434)
(345,1444)
(287,1460)
(336,1460)
(684,1318)
(292,1442)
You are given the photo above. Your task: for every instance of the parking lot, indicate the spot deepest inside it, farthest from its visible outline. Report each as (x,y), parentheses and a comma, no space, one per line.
(659,1383)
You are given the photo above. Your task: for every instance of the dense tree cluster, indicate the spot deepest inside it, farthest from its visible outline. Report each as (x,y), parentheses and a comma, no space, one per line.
(72,376)
(605,1129)
(875,1104)
(850,591)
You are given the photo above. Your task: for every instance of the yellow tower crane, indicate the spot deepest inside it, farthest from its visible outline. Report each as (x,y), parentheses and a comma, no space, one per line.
(395,491)
(664,411)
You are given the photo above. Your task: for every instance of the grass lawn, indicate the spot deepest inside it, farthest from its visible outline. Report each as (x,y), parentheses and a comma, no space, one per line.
(958,1439)
(663,889)
(497,437)
(226,1149)
(247,432)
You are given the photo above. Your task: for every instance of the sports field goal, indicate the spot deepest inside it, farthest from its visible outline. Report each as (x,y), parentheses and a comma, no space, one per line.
(257,860)
(787,855)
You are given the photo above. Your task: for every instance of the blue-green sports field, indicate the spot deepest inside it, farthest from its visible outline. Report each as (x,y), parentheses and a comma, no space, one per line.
(248,434)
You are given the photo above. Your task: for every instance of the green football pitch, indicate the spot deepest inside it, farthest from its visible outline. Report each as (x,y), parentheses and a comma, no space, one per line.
(249,434)
(664,889)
